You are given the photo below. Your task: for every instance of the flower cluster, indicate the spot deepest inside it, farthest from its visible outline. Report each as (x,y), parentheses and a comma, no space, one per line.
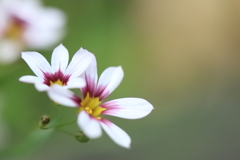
(81,73)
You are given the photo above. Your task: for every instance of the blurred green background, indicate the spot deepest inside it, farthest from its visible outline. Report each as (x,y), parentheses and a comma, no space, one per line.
(182,56)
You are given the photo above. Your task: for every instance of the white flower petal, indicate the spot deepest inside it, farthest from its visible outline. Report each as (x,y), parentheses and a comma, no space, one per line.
(118,135)
(3,18)
(76,83)
(63,96)
(37,63)
(41,87)
(110,79)
(91,71)
(129,108)
(44,40)
(89,125)
(79,63)
(45,25)
(59,59)
(23,8)
(90,77)
(49,18)
(30,79)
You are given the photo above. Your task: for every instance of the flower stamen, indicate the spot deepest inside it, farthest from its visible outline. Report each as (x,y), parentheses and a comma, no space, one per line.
(91,106)
(59,82)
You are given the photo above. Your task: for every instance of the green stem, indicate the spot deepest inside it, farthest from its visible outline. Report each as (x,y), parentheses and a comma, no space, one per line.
(68,133)
(61,125)
(59,111)
(65,124)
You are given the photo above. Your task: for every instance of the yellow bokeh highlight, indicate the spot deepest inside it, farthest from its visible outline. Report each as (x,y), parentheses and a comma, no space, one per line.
(14,30)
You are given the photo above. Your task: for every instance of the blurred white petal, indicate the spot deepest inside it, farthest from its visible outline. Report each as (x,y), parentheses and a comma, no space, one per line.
(30,79)
(10,51)
(41,87)
(47,30)
(89,125)
(43,26)
(62,96)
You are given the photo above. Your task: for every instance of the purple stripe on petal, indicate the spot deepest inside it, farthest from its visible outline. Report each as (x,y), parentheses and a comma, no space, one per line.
(105,121)
(111,105)
(99,91)
(76,99)
(89,88)
(104,94)
(49,77)
(94,90)
(18,21)
(110,112)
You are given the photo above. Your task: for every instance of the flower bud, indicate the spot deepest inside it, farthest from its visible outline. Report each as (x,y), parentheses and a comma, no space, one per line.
(44,121)
(81,137)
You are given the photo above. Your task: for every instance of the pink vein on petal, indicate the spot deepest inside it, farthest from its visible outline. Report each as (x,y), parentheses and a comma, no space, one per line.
(107,122)
(111,107)
(76,99)
(99,90)
(89,88)
(49,77)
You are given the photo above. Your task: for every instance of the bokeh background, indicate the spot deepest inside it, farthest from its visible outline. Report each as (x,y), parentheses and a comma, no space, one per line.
(182,56)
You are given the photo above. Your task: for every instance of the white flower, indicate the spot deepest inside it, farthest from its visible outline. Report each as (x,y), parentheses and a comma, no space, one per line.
(91,107)
(26,23)
(58,73)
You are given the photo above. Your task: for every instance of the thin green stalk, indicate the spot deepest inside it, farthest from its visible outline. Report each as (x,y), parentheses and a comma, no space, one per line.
(61,125)
(65,124)
(66,132)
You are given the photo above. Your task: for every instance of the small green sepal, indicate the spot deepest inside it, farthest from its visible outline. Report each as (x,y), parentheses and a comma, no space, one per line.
(81,137)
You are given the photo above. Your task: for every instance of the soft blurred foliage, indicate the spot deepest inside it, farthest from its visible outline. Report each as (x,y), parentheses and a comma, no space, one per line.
(182,56)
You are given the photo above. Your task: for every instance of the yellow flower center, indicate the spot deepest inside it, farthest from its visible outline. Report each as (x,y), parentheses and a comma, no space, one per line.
(14,30)
(59,82)
(91,106)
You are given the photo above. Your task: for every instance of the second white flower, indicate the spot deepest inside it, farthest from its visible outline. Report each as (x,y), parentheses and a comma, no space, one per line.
(59,72)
